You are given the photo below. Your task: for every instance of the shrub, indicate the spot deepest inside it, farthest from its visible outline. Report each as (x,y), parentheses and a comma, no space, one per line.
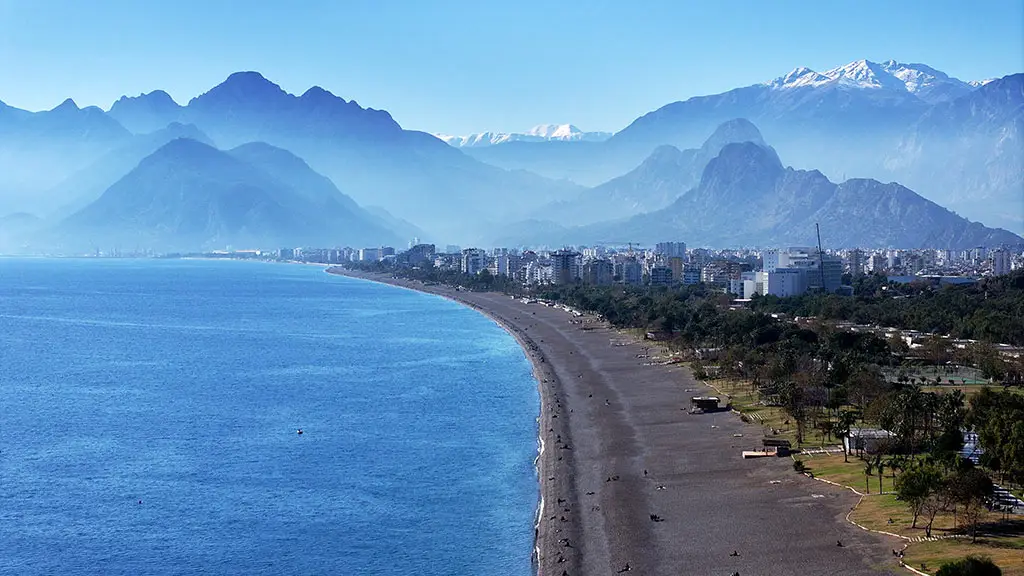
(970,566)
(798,465)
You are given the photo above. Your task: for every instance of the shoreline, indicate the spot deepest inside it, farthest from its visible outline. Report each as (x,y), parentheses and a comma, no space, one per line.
(547,468)
(629,481)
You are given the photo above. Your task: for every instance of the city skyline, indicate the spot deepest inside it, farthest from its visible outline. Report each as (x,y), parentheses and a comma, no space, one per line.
(461,67)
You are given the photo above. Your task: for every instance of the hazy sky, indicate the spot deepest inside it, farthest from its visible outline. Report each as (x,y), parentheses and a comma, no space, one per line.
(465,66)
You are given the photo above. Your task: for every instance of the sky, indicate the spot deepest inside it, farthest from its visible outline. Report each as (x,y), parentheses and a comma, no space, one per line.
(463,66)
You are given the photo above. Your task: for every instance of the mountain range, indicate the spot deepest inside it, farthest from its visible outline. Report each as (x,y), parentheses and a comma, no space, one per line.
(39,149)
(890,121)
(412,174)
(539,133)
(663,177)
(746,197)
(155,170)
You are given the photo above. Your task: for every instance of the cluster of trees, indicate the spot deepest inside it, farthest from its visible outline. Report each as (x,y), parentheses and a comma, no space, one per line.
(991,310)
(931,486)
(482,282)
(998,419)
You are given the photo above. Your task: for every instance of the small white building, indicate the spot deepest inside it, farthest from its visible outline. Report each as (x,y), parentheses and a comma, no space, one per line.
(866,440)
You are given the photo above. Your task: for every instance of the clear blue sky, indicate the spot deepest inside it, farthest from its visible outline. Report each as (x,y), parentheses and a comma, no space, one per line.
(459,66)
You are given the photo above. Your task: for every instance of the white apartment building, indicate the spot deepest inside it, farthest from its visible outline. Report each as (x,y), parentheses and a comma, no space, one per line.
(499,264)
(369,254)
(1002,262)
(782,282)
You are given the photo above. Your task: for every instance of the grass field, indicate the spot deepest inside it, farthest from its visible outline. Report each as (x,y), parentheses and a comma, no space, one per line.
(1006,551)
(832,467)
(1002,542)
(773,420)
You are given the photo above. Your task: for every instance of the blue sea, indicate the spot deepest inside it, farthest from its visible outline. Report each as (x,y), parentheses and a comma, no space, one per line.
(149,412)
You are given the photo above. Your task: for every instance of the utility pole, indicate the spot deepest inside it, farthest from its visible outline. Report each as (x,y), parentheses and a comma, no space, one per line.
(821,258)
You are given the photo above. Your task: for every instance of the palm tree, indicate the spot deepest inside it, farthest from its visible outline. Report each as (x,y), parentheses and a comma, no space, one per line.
(895,461)
(869,469)
(880,468)
(842,428)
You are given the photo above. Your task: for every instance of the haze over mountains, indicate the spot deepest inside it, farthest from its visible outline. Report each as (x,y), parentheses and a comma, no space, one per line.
(863,119)
(657,182)
(746,197)
(189,195)
(247,163)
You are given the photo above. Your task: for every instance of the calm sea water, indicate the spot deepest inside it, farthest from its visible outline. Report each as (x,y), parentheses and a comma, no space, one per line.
(149,409)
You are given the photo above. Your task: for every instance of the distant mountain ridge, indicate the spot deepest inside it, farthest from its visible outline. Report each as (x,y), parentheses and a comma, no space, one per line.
(960,143)
(858,119)
(39,149)
(747,198)
(922,81)
(664,176)
(146,112)
(411,174)
(188,195)
(539,133)
(86,185)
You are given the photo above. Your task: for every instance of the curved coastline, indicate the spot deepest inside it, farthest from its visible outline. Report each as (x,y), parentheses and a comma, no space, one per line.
(552,472)
(629,481)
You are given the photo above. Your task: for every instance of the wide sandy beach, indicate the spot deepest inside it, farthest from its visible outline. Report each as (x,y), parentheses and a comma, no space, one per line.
(620,446)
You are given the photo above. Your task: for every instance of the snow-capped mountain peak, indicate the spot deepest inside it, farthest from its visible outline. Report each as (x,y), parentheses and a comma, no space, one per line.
(555,131)
(923,81)
(539,133)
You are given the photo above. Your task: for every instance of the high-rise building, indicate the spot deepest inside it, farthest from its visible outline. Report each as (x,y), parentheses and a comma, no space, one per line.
(855,262)
(877,263)
(499,263)
(598,272)
(369,254)
(677,265)
(565,266)
(825,268)
(769,260)
(629,271)
(661,276)
(419,254)
(691,275)
(671,249)
(474,260)
(1001,262)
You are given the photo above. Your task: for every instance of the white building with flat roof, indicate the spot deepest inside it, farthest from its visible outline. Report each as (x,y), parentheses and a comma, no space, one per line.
(1001,262)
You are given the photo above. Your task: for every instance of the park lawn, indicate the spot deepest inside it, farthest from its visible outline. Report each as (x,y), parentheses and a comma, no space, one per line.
(832,467)
(1006,551)
(874,512)
(745,400)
